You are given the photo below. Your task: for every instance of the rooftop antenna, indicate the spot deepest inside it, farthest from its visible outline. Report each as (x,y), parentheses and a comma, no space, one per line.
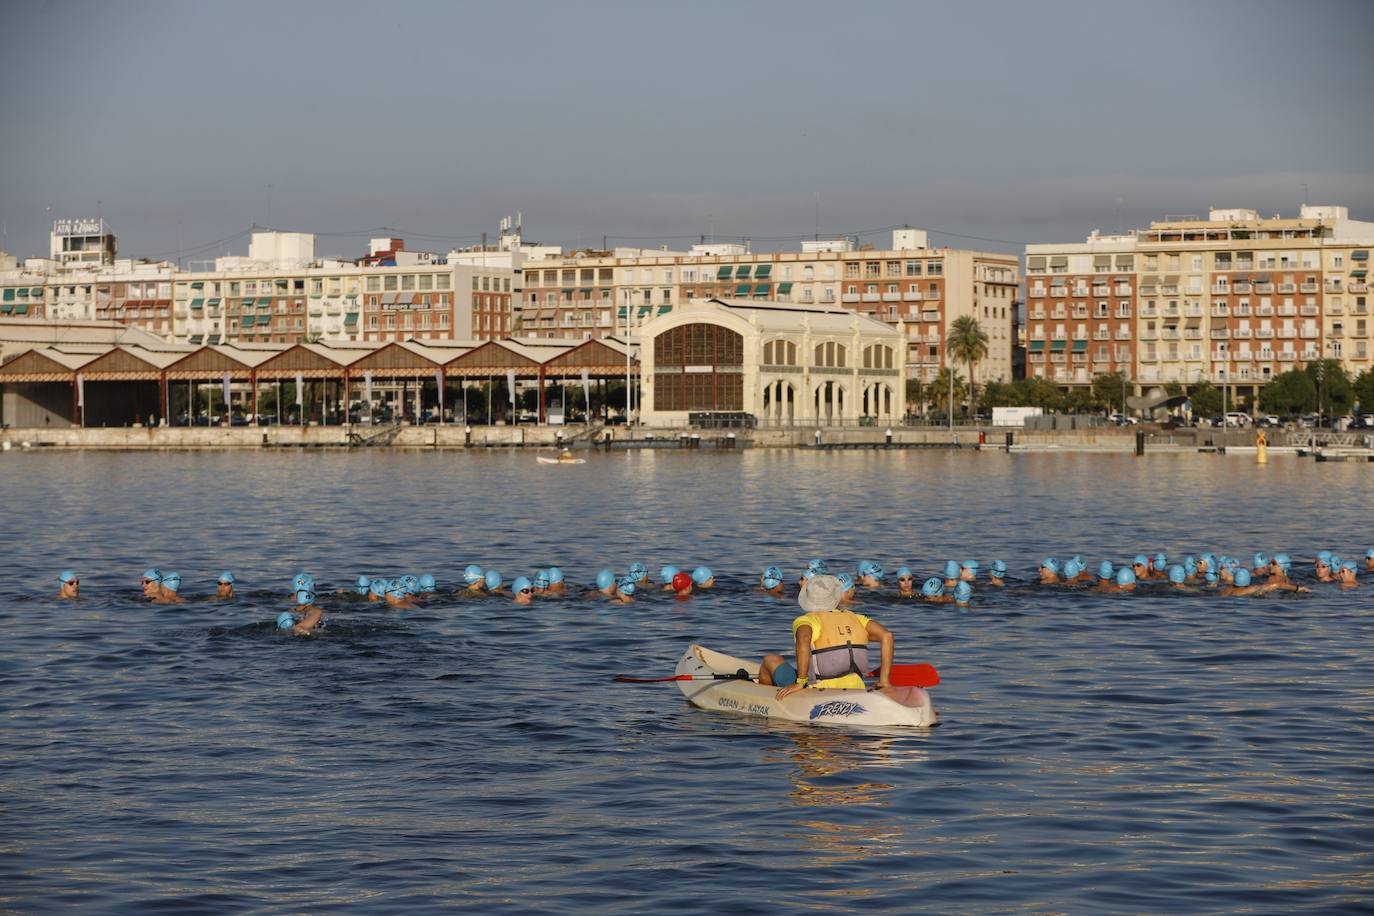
(1304,194)
(818,215)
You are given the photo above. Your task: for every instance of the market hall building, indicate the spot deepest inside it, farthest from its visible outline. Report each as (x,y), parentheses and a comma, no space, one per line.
(784,363)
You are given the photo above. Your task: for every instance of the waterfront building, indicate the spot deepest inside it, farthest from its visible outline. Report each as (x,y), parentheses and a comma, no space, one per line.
(1233,299)
(783,363)
(909,286)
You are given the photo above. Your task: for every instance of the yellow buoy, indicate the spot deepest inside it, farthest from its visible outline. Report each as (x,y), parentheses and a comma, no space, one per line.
(1261,448)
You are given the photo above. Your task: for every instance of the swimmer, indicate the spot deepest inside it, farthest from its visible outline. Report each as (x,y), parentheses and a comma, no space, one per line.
(362,587)
(1190,568)
(491,580)
(1072,570)
(426,586)
(523,590)
(831,645)
(1346,575)
(1241,586)
(605,583)
(1369,560)
(556,584)
(963,592)
(625,589)
(475,578)
(1125,580)
(997,574)
(702,577)
(69,585)
(1049,571)
(968,571)
(1279,566)
(906,582)
(846,588)
(1212,578)
(933,590)
(412,584)
(951,574)
(1323,567)
(1205,564)
(1178,578)
(666,576)
(168,588)
(817,567)
(1159,566)
(1259,565)
(639,573)
(1106,574)
(304,618)
(224,588)
(396,596)
(539,585)
(1140,567)
(870,574)
(302,580)
(682,585)
(771,581)
(376,590)
(152,582)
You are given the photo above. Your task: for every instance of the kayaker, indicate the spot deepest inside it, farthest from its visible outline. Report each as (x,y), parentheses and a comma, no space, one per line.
(906,582)
(152,580)
(523,590)
(771,581)
(224,587)
(997,574)
(168,589)
(304,618)
(682,585)
(69,586)
(831,645)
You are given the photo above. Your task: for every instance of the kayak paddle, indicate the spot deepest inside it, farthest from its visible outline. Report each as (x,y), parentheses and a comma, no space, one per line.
(914,675)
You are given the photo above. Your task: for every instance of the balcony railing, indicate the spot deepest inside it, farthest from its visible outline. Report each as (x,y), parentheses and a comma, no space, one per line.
(912,295)
(1241,333)
(1309,311)
(1334,309)
(1221,333)
(1241,289)
(1194,333)
(1308,287)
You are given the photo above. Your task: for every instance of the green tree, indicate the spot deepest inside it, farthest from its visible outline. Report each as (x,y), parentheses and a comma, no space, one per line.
(1206,399)
(1335,390)
(1038,392)
(1110,390)
(1363,388)
(1000,394)
(938,390)
(968,344)
(1289,392)
(915,395)
(1080,400)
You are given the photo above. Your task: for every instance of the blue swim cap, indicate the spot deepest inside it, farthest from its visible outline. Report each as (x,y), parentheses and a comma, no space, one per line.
(969,564)
(305,596)
(1051,564)
(555,575)
(1326,554)
(472,574)
(605,579)
(412,584)
(286,620)
(701,575)
(171,581)
(1260,561)
(817,566)
(1072,568)
(1105,570)
(1242,578)
(1283,561)
(363,585)
(666,574)
(999,568)
(626,584)
(932,587)
(951,569)
(1190,565)
(396,587)
(227,577)
(427,583)
(1161,560)
(302,580)
(904,572)
(808,573)
(1176,574)
(377,587)
(541,579)
(1336,560)
(639,572)
(1213,577)
(846,581)
(66,575)
(772,577)
(1210,559)
(154,574)
(493,580)
(1140,560)
(520,584)
(1349,564)
(1369,554)
(963,592)
(784,675)
(1125,577)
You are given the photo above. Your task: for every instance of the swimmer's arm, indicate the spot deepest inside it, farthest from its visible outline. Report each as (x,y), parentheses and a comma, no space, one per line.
(803,649)
(309,622)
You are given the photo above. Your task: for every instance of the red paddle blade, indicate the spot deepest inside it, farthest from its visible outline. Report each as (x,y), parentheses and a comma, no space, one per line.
(917,675)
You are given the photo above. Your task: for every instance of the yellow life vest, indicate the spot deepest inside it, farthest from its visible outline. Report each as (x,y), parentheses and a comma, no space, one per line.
(839,647)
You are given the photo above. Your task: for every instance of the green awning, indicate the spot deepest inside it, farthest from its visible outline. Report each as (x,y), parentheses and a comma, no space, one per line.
(586,289)
(568,291)
(764,272)
(197,303)
(213,339)
(282,283)
(743,289)
(1037,346)
(1057,346)
(742,272)
(21,308)
(725,272)
(6,308)
(24,293)
(1357,273)
(761,289)
(247,321)
(9,295)
(645,310)
(351,318)
(198,284)
(784,288)
(247,302)
(36,292)
(213,302)
(264,302)
(196,338)
(664,309)
(1359,255)
(1080,346)
(621,313)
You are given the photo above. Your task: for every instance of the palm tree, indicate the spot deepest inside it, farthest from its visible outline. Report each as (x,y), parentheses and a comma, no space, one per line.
(968,343)
(938,390)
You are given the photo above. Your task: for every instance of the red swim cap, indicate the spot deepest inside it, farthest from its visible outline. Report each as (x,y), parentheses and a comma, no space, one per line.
(681,581)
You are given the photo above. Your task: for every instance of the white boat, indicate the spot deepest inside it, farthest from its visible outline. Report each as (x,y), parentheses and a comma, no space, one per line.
(542,460)
(895,706)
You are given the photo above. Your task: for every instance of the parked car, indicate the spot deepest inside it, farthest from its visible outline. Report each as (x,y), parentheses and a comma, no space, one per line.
(1121,419)
(1237,419)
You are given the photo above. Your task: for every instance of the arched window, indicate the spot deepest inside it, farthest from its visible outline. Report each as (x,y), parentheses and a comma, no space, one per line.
(780,353)
(699,367)
(878,356)
(830,355)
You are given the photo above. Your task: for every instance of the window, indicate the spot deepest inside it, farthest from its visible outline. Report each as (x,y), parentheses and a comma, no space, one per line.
(913,268)
(830,355)
(699,367)
(808,272)
(426,281)
(780,353)
(878,356)
(389,283)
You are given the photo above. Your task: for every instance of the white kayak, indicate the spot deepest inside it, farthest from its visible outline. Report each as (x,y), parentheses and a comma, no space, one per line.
(542,460)
(896,706)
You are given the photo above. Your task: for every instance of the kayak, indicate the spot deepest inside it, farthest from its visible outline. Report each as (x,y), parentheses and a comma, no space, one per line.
(908,707)
(542,460)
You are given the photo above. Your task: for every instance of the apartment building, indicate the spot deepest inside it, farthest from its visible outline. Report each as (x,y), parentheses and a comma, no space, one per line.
(1233,299)
(918,289)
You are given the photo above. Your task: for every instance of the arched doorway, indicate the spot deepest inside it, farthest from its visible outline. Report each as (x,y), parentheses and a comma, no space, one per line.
(829,402)
(699,367)
(780,402)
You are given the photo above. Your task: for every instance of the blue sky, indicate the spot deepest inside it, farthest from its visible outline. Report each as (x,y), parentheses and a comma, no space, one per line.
(991,124)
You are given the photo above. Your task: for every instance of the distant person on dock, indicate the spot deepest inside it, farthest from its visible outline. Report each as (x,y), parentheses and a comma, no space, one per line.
(69,586)
(933,591)
(906,582)
(168,589)
(152,582)
(224,588)
(304,618)
(771,581)
(523,590)
(831,645)
(997,574)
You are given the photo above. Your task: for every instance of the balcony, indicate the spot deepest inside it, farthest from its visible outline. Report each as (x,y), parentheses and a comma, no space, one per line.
(1148,334)
(1123,291)
(892,297)
(1241,333)
(1358,286)
(849,297)
(1194,333)
(1334,309)
(1037,315)
(1059,291)
(1243,310)
(1264,289)
(1308,287)
(1171,311)
(1220,311)
(914,295)
(1359,309)
(1288,311)
(1310,354)
(1287,288)
(1221,290)
(871,297)
(1219,356)
(1308,333)
(932,338)
(1336,332)
(1264,311)
(1059,313)
(1102,334)
(1169,334)
(1333,286)
(1242,289)
(1221,333)
(1081,291)
(1148,289)
(1169,289)
(1149,311)
(1123,333)
(1309,311)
